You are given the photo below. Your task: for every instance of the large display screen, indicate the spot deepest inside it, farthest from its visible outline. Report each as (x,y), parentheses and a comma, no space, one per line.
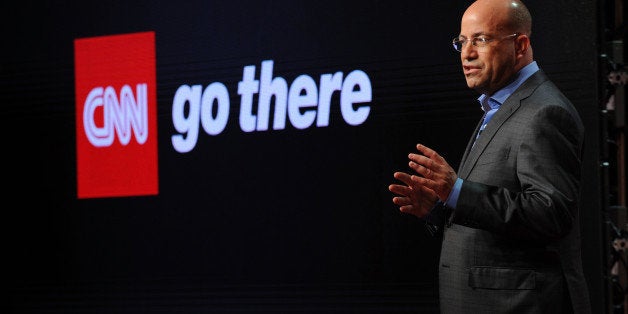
(235,156)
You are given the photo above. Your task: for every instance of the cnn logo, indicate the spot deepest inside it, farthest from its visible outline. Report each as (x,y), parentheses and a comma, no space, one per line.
(119,115)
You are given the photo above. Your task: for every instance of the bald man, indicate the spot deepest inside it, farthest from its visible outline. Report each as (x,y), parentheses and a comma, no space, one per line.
(509,215)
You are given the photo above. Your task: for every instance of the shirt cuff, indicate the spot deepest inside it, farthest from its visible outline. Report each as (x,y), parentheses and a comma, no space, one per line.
(452,200)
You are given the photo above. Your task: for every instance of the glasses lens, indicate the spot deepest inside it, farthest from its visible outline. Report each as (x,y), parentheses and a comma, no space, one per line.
(457,43)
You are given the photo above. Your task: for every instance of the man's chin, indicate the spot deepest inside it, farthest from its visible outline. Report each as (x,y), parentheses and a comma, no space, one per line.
(474,84)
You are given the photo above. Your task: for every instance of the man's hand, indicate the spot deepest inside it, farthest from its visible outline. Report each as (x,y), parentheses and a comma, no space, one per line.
(413,198)
(436,173)
(434,180)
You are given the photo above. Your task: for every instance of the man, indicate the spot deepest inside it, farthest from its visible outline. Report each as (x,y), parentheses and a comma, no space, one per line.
(511,239)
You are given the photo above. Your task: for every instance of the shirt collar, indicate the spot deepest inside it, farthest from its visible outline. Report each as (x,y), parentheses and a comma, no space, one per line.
(500,96)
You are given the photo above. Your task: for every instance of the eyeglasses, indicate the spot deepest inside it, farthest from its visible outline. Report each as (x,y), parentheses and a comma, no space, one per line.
(480,41)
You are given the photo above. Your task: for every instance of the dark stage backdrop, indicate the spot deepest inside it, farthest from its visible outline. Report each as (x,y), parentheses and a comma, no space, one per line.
(293,217)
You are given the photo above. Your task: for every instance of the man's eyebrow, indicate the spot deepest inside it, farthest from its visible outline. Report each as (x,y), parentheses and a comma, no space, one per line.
(474,35)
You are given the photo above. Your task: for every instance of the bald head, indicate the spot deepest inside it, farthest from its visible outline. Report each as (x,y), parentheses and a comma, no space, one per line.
(510,16)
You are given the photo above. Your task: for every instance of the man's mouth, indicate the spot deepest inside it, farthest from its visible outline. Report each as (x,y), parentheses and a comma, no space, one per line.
(470,70)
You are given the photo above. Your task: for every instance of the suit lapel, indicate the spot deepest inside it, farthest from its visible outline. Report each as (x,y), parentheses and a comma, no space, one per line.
(470,144)
(507,109)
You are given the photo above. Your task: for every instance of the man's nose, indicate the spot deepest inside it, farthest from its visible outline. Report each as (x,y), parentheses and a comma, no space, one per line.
(468,51)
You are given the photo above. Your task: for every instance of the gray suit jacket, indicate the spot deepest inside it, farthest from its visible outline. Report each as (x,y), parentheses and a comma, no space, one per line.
(512,245)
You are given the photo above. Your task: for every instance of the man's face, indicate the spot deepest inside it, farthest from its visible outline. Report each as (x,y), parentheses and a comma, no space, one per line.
(488,68)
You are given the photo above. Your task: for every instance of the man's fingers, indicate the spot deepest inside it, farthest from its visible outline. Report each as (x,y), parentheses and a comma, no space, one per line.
(401,201)
(426,185)
(424,161)
(426,150)
(422,170)
(419,159)
(431,154)
(403,177)
(406,209)
(399,189)
(425,172)
(420,180)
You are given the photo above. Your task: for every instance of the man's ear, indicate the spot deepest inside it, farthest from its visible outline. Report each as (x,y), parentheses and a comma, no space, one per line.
(522,45)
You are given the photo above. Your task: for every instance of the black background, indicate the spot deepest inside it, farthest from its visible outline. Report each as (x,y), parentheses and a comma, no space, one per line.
(274,221)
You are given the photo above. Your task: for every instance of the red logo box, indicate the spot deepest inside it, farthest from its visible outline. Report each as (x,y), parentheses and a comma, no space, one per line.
(116,115)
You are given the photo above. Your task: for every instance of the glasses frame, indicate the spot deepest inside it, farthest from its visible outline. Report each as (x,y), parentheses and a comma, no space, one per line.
(478,42)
